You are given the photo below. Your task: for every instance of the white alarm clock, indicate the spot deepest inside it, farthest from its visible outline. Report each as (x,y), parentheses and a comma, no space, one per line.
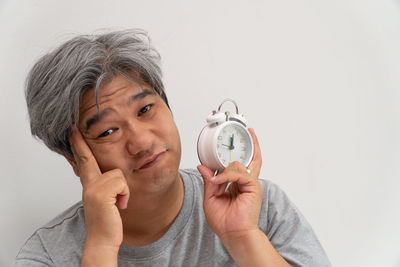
(225,139)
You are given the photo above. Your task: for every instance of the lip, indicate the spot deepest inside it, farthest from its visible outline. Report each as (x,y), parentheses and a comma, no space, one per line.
(151,160)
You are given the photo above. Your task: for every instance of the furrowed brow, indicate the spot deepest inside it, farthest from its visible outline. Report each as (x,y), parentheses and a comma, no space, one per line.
(100,115)
(140,95)
(96,118)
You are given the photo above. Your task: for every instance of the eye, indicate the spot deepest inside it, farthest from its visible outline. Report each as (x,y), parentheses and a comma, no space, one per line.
(107,133)
(145,109)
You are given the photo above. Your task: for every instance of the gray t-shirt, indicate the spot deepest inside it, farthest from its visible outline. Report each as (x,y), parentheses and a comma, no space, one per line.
(188,242)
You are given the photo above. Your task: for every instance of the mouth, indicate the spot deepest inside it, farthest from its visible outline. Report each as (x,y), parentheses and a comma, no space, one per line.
(151,160)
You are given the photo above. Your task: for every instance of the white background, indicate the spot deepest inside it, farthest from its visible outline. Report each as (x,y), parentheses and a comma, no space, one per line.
(318,80)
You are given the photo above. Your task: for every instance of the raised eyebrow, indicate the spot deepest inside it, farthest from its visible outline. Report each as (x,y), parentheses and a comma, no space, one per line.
(96,118)
(140,95)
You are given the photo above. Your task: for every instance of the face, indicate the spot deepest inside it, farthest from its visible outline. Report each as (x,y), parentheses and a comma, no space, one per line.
(233,144)
(133,131)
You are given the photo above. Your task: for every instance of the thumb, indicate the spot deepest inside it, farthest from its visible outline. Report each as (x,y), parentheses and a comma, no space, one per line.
(209,188)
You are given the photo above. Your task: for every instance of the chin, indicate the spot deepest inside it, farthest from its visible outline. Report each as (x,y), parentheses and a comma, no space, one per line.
(155,179)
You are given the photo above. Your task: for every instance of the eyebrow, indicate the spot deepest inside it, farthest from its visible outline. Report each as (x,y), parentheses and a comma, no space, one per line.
(100,115)
(140,95)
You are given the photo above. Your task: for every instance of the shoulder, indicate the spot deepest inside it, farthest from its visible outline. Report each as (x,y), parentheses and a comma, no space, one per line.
(72,219)
(288,230)
(62,236)
(275,199)
(277,209)
(66,217)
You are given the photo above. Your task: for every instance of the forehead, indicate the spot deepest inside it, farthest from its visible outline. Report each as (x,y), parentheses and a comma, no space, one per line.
(111,90)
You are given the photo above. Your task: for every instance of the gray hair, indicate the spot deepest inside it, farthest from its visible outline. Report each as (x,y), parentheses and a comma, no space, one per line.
(57,82)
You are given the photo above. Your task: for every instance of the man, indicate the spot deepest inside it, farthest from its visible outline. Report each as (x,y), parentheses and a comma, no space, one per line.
(100,102)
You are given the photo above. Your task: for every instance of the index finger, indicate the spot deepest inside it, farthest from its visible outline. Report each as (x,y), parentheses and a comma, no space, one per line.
(84,158)
(255,165)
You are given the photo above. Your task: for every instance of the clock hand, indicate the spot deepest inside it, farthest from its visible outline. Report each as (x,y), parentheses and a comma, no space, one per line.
(231,146)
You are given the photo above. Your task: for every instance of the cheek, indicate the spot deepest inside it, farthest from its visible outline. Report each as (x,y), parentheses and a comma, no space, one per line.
(177,139)
(107,155)
(172,134)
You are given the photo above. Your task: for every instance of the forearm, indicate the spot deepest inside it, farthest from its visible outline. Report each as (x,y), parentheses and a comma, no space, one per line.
(96,255)
(253,249)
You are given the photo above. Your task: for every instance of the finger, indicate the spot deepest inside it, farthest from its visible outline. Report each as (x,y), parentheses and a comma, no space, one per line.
(223,188)
(122,201)
(235,172)
(84,159)
(232,189)
(123,198)
(208,175)
(117,187)
(255,165)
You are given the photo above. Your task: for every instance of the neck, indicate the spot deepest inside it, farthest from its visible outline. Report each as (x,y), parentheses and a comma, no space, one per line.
(149,216)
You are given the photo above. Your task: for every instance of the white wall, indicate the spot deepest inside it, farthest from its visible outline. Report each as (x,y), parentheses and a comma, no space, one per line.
(318,80)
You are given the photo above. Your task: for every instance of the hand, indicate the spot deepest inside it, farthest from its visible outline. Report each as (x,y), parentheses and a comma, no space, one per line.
(233,215)
(100,194)
(235,212)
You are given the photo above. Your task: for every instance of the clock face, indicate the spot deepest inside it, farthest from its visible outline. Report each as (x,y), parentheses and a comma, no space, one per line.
(234,144)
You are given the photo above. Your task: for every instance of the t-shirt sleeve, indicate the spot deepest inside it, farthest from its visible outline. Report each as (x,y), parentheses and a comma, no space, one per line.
(288,230)
(33,254)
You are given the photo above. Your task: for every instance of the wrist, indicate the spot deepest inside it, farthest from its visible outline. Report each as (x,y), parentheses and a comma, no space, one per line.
(98,254)
(241,239)
(99,238)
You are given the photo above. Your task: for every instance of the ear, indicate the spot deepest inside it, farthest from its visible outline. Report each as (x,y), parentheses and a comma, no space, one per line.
(73,165)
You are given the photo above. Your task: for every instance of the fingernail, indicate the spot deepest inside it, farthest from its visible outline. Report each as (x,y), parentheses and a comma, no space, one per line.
(213,178)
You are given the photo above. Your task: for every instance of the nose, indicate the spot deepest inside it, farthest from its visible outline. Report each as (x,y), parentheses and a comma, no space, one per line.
(139,138)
